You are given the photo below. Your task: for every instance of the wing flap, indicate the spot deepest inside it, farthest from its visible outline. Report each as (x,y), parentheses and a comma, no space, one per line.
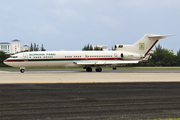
(105,62)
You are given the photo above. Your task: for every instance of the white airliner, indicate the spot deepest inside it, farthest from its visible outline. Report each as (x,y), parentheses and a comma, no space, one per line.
(123,54)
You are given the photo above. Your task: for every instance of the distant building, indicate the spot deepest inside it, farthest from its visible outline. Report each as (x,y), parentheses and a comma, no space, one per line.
(25,48)
(103,47)
(13,47)
(5,46)
(170,50)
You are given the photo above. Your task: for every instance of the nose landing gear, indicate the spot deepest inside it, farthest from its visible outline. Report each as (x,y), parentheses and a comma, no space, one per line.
(22,70)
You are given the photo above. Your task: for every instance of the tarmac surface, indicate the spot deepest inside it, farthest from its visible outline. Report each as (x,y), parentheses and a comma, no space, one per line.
(72,95)
(77,76)
(88,101)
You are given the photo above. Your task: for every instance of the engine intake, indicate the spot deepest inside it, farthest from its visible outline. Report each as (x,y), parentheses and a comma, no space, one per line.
(130,56)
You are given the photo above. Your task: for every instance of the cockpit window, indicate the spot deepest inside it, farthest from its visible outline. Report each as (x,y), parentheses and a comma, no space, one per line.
(14,57)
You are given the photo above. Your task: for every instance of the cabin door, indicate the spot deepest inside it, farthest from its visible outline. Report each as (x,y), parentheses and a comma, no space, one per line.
(115,56)
(25,55)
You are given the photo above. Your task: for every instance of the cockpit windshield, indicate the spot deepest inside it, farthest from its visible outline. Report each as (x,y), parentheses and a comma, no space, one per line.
(14,57)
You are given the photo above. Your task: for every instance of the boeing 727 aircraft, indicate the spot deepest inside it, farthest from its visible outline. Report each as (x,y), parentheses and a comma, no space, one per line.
(123,54)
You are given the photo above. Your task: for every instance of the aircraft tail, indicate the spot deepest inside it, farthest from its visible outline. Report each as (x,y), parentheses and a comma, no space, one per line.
(142,46)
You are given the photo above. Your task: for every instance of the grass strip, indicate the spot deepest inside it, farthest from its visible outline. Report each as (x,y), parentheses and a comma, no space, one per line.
(166,119)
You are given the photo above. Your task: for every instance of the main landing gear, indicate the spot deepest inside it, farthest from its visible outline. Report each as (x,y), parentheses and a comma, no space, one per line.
(98,69)
(89,69)
(114,68)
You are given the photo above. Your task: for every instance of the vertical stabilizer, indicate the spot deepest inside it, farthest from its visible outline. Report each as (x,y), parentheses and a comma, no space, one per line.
(142,46)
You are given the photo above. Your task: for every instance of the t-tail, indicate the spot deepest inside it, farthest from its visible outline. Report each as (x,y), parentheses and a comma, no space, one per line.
(142,46)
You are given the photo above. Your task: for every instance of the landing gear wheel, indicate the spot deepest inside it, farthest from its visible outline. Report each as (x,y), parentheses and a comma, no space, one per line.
(89,69)
(98,69)
(114,68)
(22,70)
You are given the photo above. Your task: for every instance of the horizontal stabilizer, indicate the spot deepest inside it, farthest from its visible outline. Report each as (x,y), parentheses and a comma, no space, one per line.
(159,36)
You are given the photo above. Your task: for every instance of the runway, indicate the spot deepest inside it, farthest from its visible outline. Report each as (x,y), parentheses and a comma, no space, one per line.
(77,76)
(71,95)
(95,101)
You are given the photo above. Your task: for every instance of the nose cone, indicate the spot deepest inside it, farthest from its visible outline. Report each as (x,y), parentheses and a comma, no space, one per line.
(6,62)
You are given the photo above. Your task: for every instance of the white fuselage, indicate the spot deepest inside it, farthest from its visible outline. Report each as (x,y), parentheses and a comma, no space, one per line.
(123,54)
(67,58)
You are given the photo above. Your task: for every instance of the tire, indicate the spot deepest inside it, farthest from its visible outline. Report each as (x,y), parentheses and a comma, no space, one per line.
(89,69)
(114,68)
(22,70)
(98,69)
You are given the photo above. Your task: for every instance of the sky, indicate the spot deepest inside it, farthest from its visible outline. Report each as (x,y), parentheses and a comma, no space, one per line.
(71,24)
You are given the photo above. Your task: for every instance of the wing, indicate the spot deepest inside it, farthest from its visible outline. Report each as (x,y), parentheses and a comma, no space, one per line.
(104,62)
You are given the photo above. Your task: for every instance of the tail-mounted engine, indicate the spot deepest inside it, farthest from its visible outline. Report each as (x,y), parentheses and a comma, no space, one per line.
(130,56)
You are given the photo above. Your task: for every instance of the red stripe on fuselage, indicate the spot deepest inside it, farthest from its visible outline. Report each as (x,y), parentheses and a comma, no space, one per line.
(14,60)
(55,59)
